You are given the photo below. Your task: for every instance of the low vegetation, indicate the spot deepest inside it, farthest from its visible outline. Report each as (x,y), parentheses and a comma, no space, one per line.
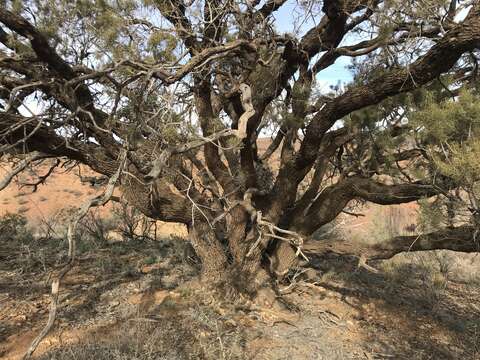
(172,316)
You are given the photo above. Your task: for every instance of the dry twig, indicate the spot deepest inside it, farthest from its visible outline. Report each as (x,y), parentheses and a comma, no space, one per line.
(99,200)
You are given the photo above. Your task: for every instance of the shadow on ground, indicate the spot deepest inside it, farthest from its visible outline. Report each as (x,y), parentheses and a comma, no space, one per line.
(409,309)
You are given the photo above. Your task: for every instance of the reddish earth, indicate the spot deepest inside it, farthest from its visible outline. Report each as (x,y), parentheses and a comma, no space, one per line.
(112,302)
(410,309)
(63,190)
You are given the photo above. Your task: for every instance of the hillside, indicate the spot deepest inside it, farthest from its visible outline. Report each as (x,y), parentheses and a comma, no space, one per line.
(140,300)
(63,190)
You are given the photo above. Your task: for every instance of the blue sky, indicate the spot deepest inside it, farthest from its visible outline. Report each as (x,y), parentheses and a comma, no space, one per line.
(337,72)
(285,23)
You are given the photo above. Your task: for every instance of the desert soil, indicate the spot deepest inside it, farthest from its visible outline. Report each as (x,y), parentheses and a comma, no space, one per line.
(126,296)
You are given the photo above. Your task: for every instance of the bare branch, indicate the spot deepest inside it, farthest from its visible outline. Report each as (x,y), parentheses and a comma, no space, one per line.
(249,111)
(42,178)
(76,217)
(457,239)
(162,159)
(20,167)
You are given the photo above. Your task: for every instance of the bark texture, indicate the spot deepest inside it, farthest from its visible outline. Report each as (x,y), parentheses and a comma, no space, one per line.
(190,123)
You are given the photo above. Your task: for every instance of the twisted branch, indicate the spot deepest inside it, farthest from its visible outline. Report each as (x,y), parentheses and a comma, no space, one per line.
(98,200)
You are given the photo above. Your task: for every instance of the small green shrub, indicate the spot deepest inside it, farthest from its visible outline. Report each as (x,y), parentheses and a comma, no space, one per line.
(13,227)
(119,249)
(22,202)
(150,260)
(23,209)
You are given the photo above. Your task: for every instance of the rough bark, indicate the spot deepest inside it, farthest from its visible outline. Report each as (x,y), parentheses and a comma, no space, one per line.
(462,239)
(211,252)
(229,84)
(334,199)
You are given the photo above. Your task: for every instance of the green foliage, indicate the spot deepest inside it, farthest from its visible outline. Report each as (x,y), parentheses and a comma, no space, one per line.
(431,215)
(150,260)
(462,164)
(13,227)
(451,130)
(448,121)
(162,44)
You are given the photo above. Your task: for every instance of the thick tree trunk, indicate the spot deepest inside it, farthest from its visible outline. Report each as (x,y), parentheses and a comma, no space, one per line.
(210,251)
(222,247)
(233,266)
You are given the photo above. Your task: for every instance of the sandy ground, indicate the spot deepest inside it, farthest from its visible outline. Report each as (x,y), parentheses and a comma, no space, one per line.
(410,310)
(62,191)
(118,300)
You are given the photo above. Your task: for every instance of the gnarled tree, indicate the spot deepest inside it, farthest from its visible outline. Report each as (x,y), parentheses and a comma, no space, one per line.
(186,88)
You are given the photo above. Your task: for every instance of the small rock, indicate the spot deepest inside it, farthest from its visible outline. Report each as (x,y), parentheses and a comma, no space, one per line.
(221,311)
(311,274)
(231,322)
